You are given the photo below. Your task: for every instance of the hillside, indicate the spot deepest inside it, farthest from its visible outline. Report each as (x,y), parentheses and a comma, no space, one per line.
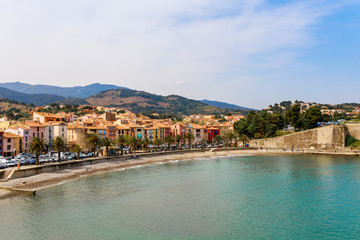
(224,105)
(139,101)
(77,91)
(37,99)
(11,108)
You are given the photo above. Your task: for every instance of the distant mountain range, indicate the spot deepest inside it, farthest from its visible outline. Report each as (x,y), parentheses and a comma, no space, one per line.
(224,105)
(94,94)
(37,99)
(76,92)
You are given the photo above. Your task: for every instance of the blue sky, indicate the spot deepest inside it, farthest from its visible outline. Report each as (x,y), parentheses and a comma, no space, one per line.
(247,52)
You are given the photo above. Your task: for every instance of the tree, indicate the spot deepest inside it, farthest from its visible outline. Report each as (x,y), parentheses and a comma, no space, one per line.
(217,139)
(189,137)
(244,139)
(37,146)
(158,142)
(178,139)
(293,115)
(169,140)
(314,116)
(107,142)
(230,136)
(121,140)
(145,143)
(59,144)
(133,142)
(93,141)
(77,149)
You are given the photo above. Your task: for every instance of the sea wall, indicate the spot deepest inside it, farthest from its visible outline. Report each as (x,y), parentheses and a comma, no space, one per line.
(329,137)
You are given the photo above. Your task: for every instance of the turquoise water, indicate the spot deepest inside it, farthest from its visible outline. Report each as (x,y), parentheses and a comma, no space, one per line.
(243,197)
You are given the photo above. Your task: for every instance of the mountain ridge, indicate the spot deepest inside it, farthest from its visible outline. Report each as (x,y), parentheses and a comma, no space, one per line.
(76,91)
(224,105)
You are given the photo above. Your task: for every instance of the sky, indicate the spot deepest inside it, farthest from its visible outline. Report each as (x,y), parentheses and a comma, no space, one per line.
(247,52)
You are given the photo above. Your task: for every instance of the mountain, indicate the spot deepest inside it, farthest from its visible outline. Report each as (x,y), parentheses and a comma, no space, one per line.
(77,92)
(37,99)
(143,102)
(224,105)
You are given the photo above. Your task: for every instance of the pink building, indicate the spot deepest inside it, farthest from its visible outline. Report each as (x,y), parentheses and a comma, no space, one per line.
(36,129)
(179,129)
(22,130)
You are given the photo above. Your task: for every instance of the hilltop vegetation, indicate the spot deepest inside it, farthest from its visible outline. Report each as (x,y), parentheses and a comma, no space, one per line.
(144,102)
(14,110)
(263,124)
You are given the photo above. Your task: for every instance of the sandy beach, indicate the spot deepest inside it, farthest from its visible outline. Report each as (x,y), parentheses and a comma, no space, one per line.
(49,179)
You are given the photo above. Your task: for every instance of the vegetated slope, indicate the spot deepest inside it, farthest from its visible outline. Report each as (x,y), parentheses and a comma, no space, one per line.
(13,109)
(37,99)
(7,104)
(224,105)
(144,102)
(77,92)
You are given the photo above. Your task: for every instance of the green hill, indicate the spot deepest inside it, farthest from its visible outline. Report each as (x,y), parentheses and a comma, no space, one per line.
(144,102)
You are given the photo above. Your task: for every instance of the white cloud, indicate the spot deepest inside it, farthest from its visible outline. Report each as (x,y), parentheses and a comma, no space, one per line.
(162,46)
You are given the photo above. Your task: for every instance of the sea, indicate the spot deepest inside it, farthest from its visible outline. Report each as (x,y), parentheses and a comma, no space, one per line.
(234,197)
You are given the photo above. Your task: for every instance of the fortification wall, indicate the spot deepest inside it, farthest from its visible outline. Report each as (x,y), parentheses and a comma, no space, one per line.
(329,137)
(353,129)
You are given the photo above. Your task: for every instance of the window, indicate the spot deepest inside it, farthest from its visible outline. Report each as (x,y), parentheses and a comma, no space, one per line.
(33,134)
(42,135)
(37,129)
(8,147)
(9,140)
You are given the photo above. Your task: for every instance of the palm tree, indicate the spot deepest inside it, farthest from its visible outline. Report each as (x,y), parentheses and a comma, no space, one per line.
(158,142)
(59,144)
(244,139)
(36,146)
(169,140)
(133,142)
(178,139)
(77,149)
(189,137)
(106,142)
(121,140)
(145,143)
(217,139)
(231,135)
(93,141)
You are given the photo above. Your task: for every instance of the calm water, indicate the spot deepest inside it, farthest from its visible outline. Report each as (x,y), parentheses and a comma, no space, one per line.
(243,197)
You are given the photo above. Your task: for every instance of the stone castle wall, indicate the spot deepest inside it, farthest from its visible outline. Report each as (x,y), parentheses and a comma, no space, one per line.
(329,137)
(353,129)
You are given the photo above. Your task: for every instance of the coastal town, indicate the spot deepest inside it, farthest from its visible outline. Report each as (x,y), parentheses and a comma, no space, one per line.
(108,123)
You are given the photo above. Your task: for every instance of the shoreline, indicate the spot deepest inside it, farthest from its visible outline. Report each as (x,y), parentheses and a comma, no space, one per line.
(28,185)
